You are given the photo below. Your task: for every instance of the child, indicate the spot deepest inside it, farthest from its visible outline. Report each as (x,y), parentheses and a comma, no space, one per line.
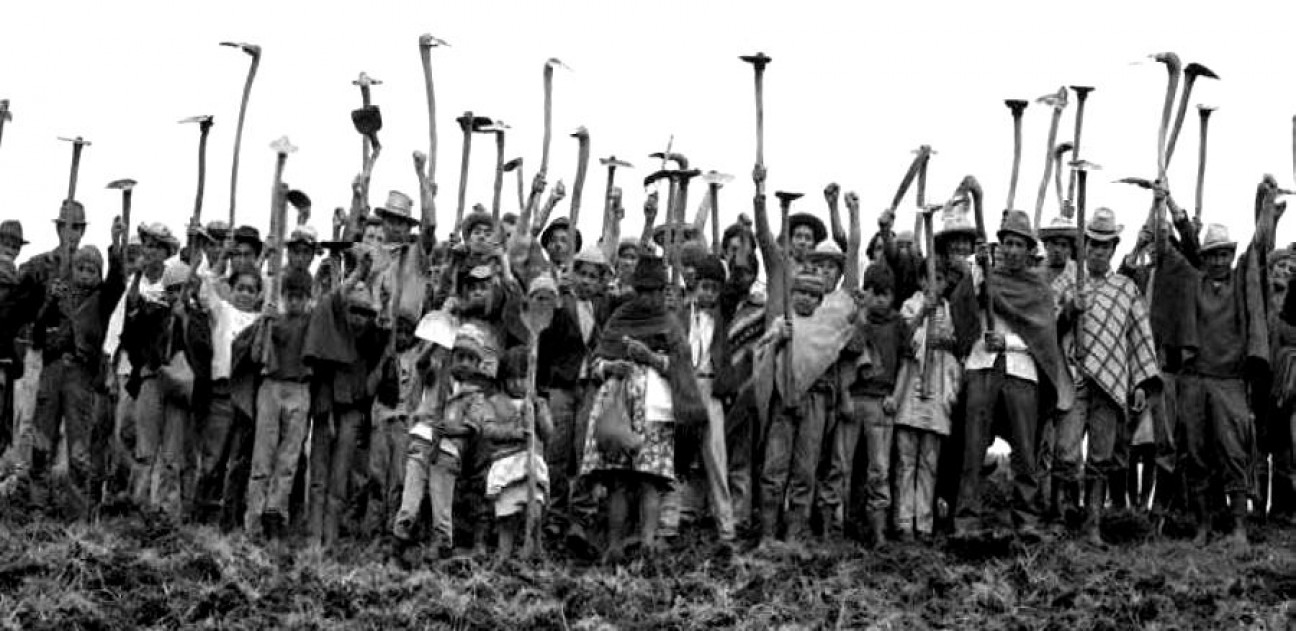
(880,335)
(395,402)
(504,437)
(439,437)
(924,417)
(283,402)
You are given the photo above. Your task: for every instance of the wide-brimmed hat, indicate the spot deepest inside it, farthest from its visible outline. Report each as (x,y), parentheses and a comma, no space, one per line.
(561,223)
(159,232)
(399,206)
(632,244)
(955,221)
(815,224)
(1217,238)
(1061,227)
(247,234)
(828,251)
(217,230)
(591,256)
(685,232)
(12,228)
(304,235)
(1017,222)
(71,212)
(1103,227)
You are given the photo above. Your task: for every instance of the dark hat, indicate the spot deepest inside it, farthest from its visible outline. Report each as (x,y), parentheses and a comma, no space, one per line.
(806,219)
(687,232)
(367,120)
(632,244)
(561,223)
(248,234)
(649,274)
(12,228)
(71,212)
(692,253)
(878,276)
(1018,222)
(710,268)
(296,281)
(473,220)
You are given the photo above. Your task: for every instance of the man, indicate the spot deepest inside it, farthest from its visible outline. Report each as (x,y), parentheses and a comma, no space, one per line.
(1015,363)
(559,240)
(11,244)
(744,312)
(1059,269)
(1114,353)
(303,246)
(248,246)
(1226,343)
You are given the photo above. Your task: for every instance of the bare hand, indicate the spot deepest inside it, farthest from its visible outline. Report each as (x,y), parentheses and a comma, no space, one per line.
(639,352)
(1140,401)
(889,406)
(852,203)
(886,220)
(118,231)
(758,175)
(983,255)
(995,343)
(538,184)
(559,192)
(650,206)
(831,193)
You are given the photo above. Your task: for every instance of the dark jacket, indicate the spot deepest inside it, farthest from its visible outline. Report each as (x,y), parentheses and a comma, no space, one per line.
(70,323)
(562,350)
(725,375)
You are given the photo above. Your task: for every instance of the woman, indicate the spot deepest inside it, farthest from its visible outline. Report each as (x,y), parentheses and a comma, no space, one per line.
(642,356)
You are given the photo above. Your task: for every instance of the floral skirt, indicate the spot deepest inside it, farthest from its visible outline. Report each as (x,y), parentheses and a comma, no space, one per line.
(657,455)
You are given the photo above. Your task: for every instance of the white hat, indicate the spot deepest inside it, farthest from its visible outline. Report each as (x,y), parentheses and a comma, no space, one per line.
(1217,238)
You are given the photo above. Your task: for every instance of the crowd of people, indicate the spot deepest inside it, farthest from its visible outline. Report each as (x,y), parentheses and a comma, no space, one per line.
(782,390)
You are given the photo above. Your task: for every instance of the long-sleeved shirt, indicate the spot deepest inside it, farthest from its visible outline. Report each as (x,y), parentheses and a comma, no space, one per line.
(74,322)
(227,323)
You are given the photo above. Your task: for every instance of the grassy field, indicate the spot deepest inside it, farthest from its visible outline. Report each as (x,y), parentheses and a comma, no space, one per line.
(136,572)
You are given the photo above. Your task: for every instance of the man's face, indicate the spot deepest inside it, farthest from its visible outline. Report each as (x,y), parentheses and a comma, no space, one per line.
(1058,251)
(396,230)
(295,302)
(707,293)
(10,246)
(558,245)
(1219,262)
(86,274)
(589,280)
(212,250)
(830,271)
(1014,251)
(960,246)
(70,234)
(244,257)
(802,240)
(243,295)
(627,260)
(480,235)
(804,303)
(301,255)
(1098,255)
(373,235)
(154,254)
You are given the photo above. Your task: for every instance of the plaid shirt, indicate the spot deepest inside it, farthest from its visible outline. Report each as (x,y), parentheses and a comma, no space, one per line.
(1119,352)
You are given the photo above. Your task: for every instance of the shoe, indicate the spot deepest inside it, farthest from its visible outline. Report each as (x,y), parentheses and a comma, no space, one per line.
(905,537)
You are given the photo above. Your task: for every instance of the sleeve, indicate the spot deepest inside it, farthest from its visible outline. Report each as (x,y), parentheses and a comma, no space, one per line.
(209,295)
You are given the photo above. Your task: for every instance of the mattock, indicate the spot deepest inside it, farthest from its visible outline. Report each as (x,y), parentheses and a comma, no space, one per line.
(366,83)
(6,115)
(715,180)
(126,186)
(78,144)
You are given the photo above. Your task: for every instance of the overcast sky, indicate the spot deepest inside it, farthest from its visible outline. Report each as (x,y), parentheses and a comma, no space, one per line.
(852,89)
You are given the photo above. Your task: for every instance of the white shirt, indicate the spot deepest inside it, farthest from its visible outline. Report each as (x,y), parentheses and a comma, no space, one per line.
(148,290)
(1017,358)
(227,322)
(701,333)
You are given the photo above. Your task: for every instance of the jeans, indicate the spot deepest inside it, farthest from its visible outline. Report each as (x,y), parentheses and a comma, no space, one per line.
(428,473)
(918,454)
(282,408)
(1096,414)
(792,450)
(989,391)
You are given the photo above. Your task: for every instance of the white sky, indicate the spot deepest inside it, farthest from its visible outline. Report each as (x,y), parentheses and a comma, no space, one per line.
(853,88)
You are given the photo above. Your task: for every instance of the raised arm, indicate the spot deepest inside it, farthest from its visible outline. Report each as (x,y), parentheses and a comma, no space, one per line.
(770,253)
(650,219)
(851,273)
(427,203)
(611,239)
(832,192)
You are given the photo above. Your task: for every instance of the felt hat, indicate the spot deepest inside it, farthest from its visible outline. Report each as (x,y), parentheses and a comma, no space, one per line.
(473,220)
(561,223)
(249,235)
(1103,227)
(808,283)
(1061,227)
(686,232)
(305,235)
(1217,238)
(13,229)
(592,256)
(159,232)
(399,206)
(71,212)
(829,251)
(956,221)
(176,272)
(1017,222)
(815,224)
(632,244)
(218,230)
(649,274)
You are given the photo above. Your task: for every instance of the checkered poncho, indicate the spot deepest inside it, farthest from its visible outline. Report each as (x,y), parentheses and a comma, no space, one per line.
(1119,351)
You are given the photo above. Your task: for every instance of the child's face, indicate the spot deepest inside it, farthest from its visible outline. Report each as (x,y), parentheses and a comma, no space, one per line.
(589,280)
(516,387)
(804,303)
(243,295)
(708,293)
(877,300)
(295,302)
(86,275)
(464,363)
(830,272)
(480,235)
(300,255)
(404,334)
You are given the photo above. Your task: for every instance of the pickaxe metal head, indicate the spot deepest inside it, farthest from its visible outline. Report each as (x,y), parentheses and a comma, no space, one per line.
(298,199)
(469,123)
(554,62)
(925,151)
(1171,61)
(1205,110)
(426,40)
(1061,148)
(512,164)
(581,133)
(1057,100)
(1138,181)
(122,185)
(612,161)
(1081,90)
(1085,165)
(678,158)
(283,146)
(787,198)
(491,127)
(78,141)
(1195,69)
(1017,106)
(251,49)
(658,175)
(5,114)
(760,60)
(364,80)
(716,178)
(204,119)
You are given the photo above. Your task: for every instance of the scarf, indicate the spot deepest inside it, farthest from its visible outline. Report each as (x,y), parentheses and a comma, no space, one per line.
(644,318)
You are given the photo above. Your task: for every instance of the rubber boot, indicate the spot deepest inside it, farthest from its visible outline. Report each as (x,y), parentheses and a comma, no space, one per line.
(1118,482)
(1094,495)
(1238,504)
(877,528)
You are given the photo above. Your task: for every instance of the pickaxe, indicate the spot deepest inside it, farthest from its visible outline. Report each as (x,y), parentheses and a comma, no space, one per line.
(612,164)
(78,144)
(204,128)
(926,152)
(301,202)
(426,44)
(1081,168)
(487,126)
(681,163)
(1058,101)
(921,156)
(582,166)
(1204,112)
(548,111)
(125,186)
(255,52)
(714,181)
(785,208)
(1082,93)
(1016,107)
(467,124)
(1174,69)
(5,116)
(366,83)
(758,62)
(516,165)
(282,148)
(1058,152)
(1191,73)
